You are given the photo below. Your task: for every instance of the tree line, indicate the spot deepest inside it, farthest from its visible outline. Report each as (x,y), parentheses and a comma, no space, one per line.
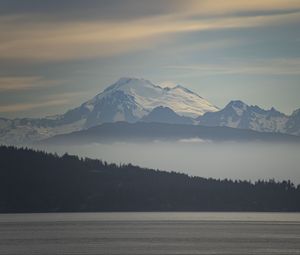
(36,181)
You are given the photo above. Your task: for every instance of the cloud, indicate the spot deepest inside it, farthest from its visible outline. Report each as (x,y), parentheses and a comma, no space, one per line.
(54,100)
(20,83)
(90,9)
(209,45)
(73,10)
(235,6)
(29,106)
(250,67)
(23,38)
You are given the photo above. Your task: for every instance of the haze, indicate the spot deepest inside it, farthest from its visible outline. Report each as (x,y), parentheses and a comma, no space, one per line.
(244,161)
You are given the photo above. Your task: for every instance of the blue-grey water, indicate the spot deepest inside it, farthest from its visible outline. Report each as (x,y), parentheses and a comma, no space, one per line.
(150,233)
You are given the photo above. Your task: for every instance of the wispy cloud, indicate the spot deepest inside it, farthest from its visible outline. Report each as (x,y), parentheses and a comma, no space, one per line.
(54,100)
(251,67)
(234,6)
(29,106)
(209,45)
(20,83)
(26,39)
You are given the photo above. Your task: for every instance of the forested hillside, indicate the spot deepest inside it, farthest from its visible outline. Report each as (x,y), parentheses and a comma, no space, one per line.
(34,181)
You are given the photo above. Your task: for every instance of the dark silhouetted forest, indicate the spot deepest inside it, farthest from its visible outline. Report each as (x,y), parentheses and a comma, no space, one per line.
(34,181)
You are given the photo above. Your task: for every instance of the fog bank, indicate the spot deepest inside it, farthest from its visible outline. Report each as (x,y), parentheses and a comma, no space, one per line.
(246,161)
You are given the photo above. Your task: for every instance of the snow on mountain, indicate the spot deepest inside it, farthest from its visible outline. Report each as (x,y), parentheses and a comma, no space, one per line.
(26,130)
(293,124)
(167,84)
(240,115)
(129,99)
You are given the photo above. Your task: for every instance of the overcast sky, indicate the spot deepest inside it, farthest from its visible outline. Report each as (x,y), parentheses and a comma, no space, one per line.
(56,54)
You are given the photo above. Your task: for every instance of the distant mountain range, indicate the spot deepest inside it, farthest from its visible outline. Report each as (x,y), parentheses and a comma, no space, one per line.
(239,115)
(145,132)
(133,100)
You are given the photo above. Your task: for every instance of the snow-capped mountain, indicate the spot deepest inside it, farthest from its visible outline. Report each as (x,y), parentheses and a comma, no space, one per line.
(129,99)
(133,100)
(240,115)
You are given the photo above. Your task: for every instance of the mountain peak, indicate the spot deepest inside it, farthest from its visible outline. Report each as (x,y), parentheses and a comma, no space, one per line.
(237,106)
(274,112)
(163,114)
(167,84)
(237,114)
(237,103)
(124,80)
(146,96)
(128,82)
(163,108)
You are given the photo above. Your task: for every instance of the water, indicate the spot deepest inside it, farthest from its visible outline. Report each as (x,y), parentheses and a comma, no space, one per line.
(150,233)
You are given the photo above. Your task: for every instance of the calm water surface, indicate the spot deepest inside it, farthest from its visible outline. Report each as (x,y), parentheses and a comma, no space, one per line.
(150,233)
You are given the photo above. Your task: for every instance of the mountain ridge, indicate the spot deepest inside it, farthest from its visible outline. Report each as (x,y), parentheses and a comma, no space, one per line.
(154,131)
(237,114)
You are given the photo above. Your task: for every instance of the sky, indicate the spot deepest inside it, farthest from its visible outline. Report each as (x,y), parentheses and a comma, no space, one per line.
(54,55)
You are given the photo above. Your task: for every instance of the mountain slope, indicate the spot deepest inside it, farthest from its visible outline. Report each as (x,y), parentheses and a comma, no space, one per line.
(293,124)
(162,114)
(237,114)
